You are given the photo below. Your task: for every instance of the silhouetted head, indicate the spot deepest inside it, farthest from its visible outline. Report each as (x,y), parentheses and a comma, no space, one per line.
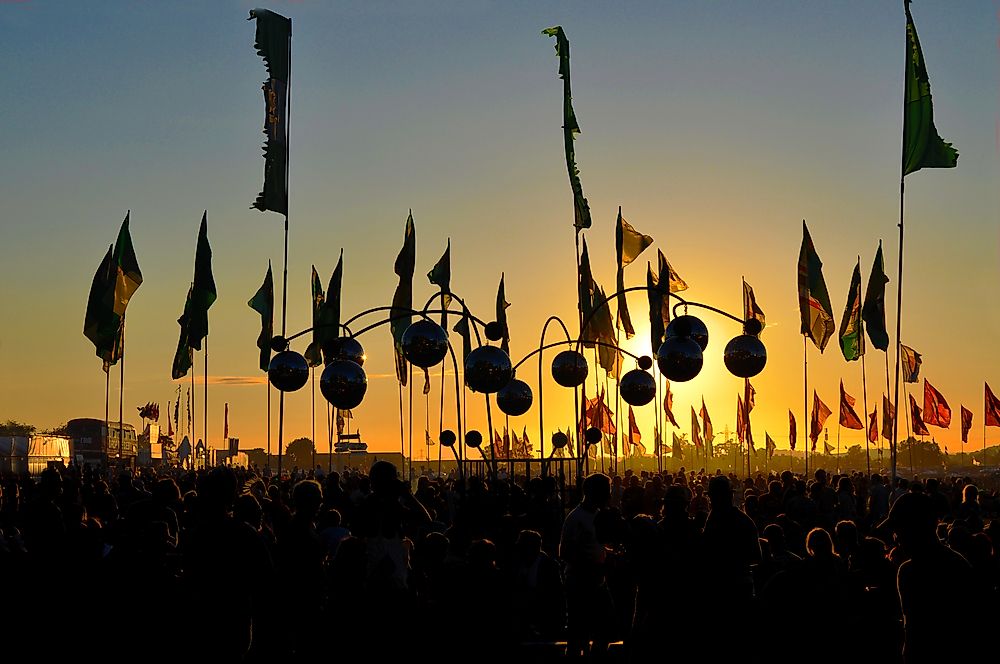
(820,476)
(383,478)
(819,544)
(720,492)
(217,489)
(597,490)
(307,496)
(912,519)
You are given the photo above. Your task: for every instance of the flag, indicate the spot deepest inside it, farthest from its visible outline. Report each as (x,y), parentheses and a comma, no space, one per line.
(570,447)
(608,355)
(873,426)
(529,449)
(814,301)
(599,415)
(170,422)
(497,445)
(629,243)
(873,311)
(669,275)
(234,446)
(329,311)
(695,429)
(741,423)
(991,416)
(100,324)
(937,412)
(792,433)
(428,441)
(750,400)
(402,299)
(919,428)
(706,425)
(820,412)
(668,404)
(501,311)
(263,303)
(341,422)
(657,440)
(183,356)
(313,352)
(751,311)
(888,418)
(273,43)
(634,435)
(922,146)
(769,445)
(911,364)
(678,450)
(440,276)
(463,330)
(225,426)
(848,416)
(966,423)
(827,448)
(127,275)
(203,293)
(581,209)
(585,297)
(190,420)
(506,443)
(852,335)
(658,307)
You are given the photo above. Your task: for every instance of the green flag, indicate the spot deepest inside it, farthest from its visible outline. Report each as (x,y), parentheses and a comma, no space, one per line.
(852,336)
(263,303)
(329,315)
(128,276)
(501,312)
(273,42)
(922,147)
(203,293)
(873,311)
(313,354)
(814,300)
(581,209)
(440,276)
(183,354)
(100,324)
(402,299)
(629,243)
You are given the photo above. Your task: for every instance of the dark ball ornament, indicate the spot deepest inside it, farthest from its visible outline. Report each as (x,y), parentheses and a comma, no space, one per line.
(515,398)
(569,368)
(645,363)
(559,440)
(488,370)
(679,359)
(288,371)
(745,356)
(753,327)
(473,439)
(425,343)
(691,327)
(345,348)
(278,343)
(448,438)
(494,331)
(343,383)
(593,436)
(637,388)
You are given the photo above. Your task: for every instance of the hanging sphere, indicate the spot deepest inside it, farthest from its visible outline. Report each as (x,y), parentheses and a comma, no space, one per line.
(345,348)
(637,388)
(691,327)
(559,440)
(494,331)
(473,439)
(425,343)
(593,436)
(288,371)
(343,383)
(569,368)
(753,327)
(679,359)
(448,438)
(278,343)
(645,363)
(514,398)
(745,356)
(488,370)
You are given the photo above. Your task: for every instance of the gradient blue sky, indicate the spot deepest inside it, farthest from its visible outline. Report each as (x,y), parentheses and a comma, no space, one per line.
(717,126)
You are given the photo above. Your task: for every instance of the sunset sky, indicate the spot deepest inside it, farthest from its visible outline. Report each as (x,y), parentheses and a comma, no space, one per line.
(717,126)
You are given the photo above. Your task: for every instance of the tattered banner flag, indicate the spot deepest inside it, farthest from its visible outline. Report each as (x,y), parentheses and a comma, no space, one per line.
(273,42)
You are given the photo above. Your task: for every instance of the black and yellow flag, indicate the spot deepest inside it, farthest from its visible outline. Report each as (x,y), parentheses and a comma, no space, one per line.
(922,146)
(273,42)
(629,243)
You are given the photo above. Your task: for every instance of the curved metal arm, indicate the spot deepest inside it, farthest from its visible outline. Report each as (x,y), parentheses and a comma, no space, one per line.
(319,327)
(689,303)
(571,342)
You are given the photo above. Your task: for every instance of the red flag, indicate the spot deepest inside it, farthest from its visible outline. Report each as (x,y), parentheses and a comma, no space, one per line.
(966,423)
(992,410)
(888,418)
(873,426)
(848,416)
(917,421)
(505,448)
(668,405)
(695,429)
(937,412)
(634,435)
(741,427)
(820,412)
(792,433)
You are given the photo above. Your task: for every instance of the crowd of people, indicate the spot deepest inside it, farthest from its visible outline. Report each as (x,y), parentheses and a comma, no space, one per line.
(237,565)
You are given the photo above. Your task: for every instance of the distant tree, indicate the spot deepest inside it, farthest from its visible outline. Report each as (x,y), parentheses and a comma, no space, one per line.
(59,430)
(15,428)
(299,452)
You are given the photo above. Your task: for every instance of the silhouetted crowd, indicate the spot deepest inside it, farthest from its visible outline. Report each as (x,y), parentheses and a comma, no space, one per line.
(235,565)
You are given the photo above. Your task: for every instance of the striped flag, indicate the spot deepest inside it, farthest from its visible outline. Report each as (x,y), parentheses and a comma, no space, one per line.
(814,301)
(911,364)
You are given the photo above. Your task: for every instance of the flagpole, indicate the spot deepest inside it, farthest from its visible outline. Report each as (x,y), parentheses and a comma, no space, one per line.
(191,409)
(313,439)
(402,435)
(441,420)
(864,382)
(330,413)
(268,426)
(121,396)
(205,399)
(805,403)
(895,414)
(107,409)
(284,267)
(909,428)
(409,418)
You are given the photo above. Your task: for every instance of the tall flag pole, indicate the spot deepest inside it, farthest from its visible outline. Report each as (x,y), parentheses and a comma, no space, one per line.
(922,147)
(815,313)
(263,303)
